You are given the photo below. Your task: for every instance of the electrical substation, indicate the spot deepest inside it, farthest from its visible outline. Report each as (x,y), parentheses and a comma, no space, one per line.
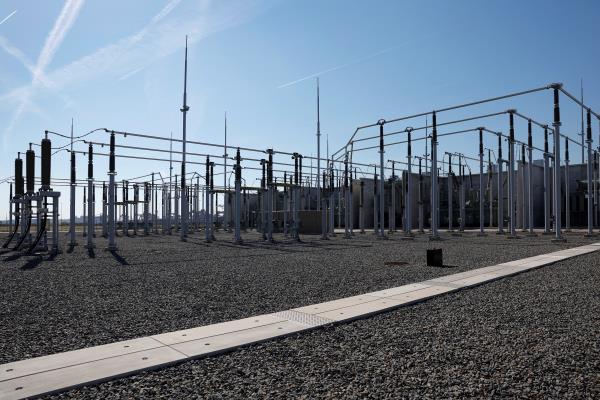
(219,246)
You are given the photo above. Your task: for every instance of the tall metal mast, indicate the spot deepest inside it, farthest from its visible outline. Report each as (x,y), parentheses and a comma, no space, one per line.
(184,110)
(318,149)
(72,241)
(582,130)
(168,207)
(225,194)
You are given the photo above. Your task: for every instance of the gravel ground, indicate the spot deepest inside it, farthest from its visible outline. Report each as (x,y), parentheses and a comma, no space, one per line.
(534,335)
(158,284)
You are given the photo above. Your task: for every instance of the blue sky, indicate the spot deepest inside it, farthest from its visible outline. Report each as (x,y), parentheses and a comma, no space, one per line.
(119,65)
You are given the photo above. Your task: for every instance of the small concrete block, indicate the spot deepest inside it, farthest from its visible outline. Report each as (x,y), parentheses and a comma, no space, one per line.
(61,360)
(362,310)
(201,332)
(335,304)
(92,372)
(230,341)
(399,290)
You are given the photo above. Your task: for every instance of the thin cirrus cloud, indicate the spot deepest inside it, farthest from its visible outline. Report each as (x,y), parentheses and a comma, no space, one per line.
(62,25)
(161,37)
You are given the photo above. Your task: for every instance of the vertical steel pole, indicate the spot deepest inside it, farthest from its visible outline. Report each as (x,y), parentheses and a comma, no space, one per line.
(324,209)
(375,204)
(392,207)
(238,199)
(111,195)
(90,221)
(10,208)
(421,211)
(547,195)
(590,176)
(408,200)
(530,180)
(450,190)
(557,201)
(567,191)
(184,110)
(511,178)
(351,212)
(346,201)
(361,207)
(207,234)
(270,196)
(481,195)
(434,182)
(72,240)
(331,201)
(318,147)
(381,182)
(523,194)
(500,188)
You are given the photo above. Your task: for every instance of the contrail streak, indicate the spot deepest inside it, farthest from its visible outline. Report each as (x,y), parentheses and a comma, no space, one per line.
(8,16)
(338,67)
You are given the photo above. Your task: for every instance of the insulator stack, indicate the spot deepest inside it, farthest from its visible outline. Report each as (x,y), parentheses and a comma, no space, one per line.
(434,130)
(238,167)
(589,125)
(73,173)
(499,148)
(556,107)
(480,142)
(30,171)
(300,169)
(46,163)
(19,183)
(207,177)
(90,162)
(263,163)
(111,161)
(270,167)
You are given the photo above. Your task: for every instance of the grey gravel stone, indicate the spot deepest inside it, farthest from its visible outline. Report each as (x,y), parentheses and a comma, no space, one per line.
(472,343)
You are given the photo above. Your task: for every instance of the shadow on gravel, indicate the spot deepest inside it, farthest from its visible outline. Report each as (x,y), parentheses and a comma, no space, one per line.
(119,259)
(13,257)
(33,263)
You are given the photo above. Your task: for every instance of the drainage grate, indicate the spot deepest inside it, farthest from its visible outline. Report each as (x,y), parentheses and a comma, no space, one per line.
(303,318)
